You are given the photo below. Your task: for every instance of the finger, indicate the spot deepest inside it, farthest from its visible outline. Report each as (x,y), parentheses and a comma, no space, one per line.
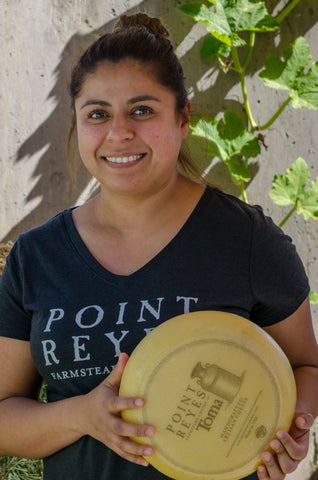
(139,460)
(117,404)
(133,451)
(125,429)
(295,449)
(129,447)
(301,424)
(304,421)
(114,377)
(286,463)
(262,473)
(273,470)
(112,382)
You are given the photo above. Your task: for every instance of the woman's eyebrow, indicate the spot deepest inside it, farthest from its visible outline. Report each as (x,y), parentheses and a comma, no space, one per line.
(96,102)
(103,103)
(142,98)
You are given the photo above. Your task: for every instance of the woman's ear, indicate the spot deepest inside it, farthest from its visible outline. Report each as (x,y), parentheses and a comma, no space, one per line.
(185,117)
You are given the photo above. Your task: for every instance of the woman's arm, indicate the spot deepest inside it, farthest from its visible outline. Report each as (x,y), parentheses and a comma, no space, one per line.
(296,337)
(31,429)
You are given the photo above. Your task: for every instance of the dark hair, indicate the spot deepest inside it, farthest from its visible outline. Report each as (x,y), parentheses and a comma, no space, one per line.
(146,40)
(143,39)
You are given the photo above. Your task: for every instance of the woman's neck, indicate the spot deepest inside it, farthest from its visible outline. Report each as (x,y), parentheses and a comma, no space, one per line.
(125,212)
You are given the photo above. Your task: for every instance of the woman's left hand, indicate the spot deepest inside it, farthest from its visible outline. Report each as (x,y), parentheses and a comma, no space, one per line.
(290,448)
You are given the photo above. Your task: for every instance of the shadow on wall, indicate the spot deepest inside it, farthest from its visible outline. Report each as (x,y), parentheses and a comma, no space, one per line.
(213,100)
(314,475)
(54,184)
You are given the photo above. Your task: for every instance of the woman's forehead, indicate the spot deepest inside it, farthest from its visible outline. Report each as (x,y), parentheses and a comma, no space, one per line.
(125,68)
(128,78)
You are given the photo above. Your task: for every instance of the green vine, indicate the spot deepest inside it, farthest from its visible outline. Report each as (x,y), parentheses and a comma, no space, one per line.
(275,116)
(231,139)
(286,11)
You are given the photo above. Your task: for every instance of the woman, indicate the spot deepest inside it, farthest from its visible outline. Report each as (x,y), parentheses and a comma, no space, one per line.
(90,283)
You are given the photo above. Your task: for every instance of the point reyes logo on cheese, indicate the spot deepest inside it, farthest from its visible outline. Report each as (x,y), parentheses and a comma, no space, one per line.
(213,379)
(215,387)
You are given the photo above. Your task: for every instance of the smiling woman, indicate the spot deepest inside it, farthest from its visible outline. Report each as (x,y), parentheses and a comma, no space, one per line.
(120,136)
(146,41)
(81,291)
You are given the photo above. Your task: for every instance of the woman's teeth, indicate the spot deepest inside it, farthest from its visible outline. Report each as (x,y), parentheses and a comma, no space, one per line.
(131,158)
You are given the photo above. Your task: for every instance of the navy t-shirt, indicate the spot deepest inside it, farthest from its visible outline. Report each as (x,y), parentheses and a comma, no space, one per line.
(79,317)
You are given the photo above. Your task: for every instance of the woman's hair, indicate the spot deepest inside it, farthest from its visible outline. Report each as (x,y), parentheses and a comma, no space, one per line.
(146,40)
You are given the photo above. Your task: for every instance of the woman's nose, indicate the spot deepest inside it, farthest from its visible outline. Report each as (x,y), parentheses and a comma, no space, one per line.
(120,130)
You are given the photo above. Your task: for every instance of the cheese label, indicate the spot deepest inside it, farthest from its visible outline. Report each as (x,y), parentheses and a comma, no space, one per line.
(213,394)
(216,406)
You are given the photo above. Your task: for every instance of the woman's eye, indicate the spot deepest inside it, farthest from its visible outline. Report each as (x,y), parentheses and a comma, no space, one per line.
(98,115)
(141,111)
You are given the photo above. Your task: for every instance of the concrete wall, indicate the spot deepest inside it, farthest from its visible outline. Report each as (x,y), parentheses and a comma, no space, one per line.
(41,41)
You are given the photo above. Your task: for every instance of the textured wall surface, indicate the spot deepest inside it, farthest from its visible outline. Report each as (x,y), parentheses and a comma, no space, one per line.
(40,43)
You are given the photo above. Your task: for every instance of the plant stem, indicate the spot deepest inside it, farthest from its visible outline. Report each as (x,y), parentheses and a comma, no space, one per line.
(288,216)
(250,50)
(236,60)
(275,116)
(246,103)
(240,70)
(286,10)
(243,192)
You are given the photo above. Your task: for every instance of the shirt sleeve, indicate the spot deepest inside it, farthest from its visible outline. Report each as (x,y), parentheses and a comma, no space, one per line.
(15,321)
(278,279)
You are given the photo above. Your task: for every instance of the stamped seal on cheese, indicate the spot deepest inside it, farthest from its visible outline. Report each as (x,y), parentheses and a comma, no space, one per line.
(216,388)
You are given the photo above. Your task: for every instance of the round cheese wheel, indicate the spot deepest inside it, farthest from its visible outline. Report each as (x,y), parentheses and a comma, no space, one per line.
(216,388)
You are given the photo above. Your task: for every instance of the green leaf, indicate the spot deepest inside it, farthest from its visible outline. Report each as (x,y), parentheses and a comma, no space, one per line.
(287,188)
(313,297)
(212,47)
(290,189)
(305,93)
(231,17)
(281,74)
(289,74)
(211,131)
(238,171)
(308,202)
(249,15)
(229,139)
(280,191)
(199,12)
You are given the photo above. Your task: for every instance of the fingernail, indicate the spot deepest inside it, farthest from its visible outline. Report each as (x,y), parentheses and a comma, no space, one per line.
(261,469)
(149,431)
(148,452)
(139,402)
(144,463)
(275,445)
(302,422)
(280,434)
(266,457)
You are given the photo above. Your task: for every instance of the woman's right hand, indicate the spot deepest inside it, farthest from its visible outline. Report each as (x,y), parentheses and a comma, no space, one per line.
(101,418)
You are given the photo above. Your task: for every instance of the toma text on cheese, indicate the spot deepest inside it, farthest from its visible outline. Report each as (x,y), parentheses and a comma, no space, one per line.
(207,422)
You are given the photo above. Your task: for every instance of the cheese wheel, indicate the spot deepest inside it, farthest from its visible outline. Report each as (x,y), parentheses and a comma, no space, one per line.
(216,388)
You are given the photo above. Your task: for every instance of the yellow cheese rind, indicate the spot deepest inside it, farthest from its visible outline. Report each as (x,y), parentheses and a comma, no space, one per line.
(216,388)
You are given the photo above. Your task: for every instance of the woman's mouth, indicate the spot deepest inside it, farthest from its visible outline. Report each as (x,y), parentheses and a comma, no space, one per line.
(124,159)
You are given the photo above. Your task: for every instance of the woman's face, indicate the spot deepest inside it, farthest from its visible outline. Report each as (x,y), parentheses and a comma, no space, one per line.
(129,133)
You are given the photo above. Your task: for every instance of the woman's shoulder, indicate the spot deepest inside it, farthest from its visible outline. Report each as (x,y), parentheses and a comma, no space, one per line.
(50,225)
(232,217)
(46,235)
(229,206)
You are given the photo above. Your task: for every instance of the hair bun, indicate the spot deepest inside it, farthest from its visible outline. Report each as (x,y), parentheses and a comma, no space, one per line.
(153,25)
